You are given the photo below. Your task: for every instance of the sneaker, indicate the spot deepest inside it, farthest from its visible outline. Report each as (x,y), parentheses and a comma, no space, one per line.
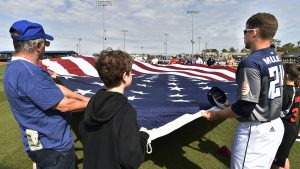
(298,138)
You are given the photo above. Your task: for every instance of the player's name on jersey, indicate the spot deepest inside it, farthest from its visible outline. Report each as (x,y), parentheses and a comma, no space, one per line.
(271,59)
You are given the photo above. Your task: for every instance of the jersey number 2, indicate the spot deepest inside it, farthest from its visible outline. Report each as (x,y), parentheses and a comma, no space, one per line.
(276,74)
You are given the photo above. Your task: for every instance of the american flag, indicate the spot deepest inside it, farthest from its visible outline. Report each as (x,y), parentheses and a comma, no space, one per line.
(165,96)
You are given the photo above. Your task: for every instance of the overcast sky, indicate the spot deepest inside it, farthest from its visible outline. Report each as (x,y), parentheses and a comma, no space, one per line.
(219,23)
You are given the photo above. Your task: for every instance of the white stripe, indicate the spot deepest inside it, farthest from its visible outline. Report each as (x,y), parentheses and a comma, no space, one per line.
(139,69)
(85,66)
(56,67)
(219,70)
(175,124)
(174,71)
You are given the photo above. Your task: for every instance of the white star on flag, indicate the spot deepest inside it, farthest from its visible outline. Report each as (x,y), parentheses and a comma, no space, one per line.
(148,81)
(97,83)
(174,84)
(138,92)
(177,95)
(84,92)
(143,85)
(202,83)
(173,80)
(133,98)
(195,80)
(176,88)
(205,88)
(68,77)
(180,100)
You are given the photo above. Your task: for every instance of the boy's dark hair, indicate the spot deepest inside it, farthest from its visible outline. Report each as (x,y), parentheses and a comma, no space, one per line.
(267,24)
(111,65)
(292,71)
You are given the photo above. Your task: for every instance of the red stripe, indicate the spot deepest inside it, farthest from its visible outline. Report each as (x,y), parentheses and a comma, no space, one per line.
(71,67)
(176,69)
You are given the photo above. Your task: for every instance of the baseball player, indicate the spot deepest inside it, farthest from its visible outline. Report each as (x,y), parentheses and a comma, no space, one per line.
(259,80)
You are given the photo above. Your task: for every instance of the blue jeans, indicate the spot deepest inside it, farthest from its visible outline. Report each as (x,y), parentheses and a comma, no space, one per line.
(51,159)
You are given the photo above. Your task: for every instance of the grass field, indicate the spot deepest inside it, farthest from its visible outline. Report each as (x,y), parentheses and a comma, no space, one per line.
(194,146)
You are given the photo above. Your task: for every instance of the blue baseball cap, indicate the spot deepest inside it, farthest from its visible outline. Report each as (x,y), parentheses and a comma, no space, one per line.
(28,31)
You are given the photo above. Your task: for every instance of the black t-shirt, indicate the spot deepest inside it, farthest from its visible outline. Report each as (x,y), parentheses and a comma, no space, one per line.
(290,103)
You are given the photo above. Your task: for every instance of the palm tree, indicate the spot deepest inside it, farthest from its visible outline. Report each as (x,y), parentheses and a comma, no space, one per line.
(276,42)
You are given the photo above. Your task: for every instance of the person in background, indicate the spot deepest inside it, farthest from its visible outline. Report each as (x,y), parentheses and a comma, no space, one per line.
(199,60)
(289,115)
(154,60)
(41,108)
(109,131)
(230,61)
(211,61)
(259,79)
(173,60)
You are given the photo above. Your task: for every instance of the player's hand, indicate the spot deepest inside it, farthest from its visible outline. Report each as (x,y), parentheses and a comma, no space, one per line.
(144,130)
(209,115)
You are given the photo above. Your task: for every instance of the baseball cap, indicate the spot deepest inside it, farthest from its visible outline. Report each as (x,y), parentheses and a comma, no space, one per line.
(217,97)
(28,31)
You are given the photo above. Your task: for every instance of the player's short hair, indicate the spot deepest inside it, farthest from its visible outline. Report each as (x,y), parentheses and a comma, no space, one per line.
(266,22)
(111,65)
(292,71)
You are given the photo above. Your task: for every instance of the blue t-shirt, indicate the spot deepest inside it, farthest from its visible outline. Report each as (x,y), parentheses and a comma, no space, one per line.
(31,93)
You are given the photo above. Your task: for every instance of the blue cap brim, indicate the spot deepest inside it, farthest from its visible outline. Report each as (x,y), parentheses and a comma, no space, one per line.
(49,37)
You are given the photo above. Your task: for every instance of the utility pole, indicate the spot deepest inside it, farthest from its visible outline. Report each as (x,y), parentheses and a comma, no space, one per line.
(199,44)
(79,47)
(103,4)
(192,12)
(124,31)
(166,42)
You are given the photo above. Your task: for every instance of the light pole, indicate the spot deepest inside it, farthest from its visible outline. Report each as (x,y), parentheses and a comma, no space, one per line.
(166,42)
(103,4)
(192,41)
(124,31)
(199,44)
(79,51)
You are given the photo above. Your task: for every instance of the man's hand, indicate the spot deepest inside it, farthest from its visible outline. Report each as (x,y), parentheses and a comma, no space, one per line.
(209,115)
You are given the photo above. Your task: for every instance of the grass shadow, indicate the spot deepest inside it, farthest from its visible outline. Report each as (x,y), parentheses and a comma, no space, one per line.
(168,152)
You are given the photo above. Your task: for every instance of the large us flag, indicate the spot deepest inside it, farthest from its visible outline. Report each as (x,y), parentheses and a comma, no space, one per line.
(165,96)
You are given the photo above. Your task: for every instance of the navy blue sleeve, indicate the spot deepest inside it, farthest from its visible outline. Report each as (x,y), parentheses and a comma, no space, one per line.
(243,108)
(42,90)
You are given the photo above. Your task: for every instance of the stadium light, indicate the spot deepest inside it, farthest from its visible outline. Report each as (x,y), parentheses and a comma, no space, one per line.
(166,42)
(103,4)
(124,31)
(192,41)
(199,44)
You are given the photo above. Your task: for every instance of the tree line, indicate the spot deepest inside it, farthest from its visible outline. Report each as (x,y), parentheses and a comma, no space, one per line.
(288,47)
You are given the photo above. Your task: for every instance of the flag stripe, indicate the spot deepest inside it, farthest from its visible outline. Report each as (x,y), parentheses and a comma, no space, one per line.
(84,66)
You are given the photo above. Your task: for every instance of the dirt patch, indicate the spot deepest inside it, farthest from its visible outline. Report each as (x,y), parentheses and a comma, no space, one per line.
(2,63)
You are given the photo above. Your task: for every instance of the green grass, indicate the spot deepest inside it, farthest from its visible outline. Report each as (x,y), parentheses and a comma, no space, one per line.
(194,146)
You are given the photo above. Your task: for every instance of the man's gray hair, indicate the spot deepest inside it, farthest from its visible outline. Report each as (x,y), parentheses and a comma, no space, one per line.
(27,46)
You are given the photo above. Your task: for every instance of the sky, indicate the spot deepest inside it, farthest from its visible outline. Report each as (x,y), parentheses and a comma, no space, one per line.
(219,23)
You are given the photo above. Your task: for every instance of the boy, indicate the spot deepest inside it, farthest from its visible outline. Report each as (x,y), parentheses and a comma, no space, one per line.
(111,138)
(289,113)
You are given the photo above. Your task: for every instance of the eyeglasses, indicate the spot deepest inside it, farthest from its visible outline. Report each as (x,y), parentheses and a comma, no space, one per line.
(248,30)
(47,43)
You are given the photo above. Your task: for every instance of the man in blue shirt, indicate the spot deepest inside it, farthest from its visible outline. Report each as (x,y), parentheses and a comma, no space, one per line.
(259,79)
(41,108)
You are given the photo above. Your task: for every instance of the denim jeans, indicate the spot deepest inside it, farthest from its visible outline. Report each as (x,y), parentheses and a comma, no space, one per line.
(51,159)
